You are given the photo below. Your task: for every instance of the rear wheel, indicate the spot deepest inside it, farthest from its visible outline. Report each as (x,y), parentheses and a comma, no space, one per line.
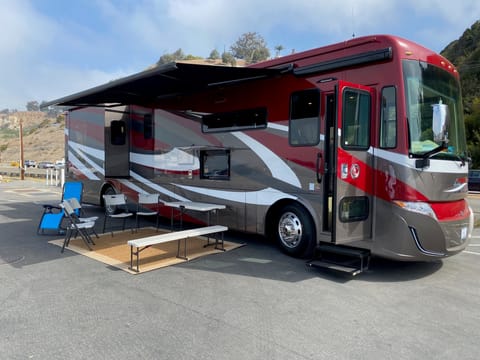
(294,230)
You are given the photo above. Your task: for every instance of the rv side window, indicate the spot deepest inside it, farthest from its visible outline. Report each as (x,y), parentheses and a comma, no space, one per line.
(388,122)
(304,128)
(356,120)
(215,164)
(147,126)
(245,119)
(354,208)
(118,132)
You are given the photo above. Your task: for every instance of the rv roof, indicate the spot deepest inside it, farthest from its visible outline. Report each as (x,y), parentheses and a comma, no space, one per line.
(146,87)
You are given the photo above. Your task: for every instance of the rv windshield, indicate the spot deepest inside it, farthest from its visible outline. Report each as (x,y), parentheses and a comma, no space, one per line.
(434,111)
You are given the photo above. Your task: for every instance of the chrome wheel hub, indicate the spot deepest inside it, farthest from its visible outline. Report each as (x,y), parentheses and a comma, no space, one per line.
(290,229)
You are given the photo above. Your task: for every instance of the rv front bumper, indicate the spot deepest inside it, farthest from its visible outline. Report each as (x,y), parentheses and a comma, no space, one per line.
(421,236)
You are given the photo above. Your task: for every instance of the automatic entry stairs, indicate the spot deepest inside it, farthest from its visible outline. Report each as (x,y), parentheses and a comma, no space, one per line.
(345,259)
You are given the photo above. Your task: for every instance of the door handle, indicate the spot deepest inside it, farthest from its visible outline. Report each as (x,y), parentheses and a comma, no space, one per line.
(319,175)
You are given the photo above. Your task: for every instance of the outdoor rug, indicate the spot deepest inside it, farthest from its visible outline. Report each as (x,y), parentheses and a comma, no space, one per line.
(114,250)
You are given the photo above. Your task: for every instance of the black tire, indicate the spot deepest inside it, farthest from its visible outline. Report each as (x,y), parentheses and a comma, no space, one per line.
(294,231)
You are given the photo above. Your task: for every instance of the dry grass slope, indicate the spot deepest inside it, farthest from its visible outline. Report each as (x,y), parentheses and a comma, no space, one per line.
(43,137)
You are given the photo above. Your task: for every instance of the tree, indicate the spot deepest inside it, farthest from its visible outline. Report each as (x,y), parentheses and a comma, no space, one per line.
(168,58)
(472,126)
(191,57)
(228,58)
(278,49)
(51,111)
(464,53)
(250,47)
(176,56)
(214,55)
(33,106)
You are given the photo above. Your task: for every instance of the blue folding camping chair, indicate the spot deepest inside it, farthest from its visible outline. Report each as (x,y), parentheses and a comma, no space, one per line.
(53,215)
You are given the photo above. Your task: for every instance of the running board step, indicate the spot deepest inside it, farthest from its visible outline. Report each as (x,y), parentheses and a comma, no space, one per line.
(337,267)
(345,259)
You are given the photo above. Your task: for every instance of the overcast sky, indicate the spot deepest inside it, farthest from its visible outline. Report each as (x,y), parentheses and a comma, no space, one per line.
(53,48)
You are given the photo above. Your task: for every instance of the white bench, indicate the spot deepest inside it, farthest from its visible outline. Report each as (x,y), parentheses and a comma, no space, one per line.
(143,243)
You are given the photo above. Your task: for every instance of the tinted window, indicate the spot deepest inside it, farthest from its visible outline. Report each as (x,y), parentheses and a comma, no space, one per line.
(356,119)
(215,164)
(354,208)
(304,129)
(245,119)
(118,132)
(388,122)
(147,126)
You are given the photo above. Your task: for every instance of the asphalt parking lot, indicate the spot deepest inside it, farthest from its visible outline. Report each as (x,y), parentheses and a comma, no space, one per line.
(249,303)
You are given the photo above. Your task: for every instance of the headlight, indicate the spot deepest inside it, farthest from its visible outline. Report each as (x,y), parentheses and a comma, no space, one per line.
(418,207)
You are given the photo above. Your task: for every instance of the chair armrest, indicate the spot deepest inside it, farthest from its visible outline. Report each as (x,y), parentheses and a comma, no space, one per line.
(49,208)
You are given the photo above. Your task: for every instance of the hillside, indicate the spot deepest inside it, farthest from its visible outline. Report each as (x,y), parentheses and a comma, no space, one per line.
(43,137)
(464,53)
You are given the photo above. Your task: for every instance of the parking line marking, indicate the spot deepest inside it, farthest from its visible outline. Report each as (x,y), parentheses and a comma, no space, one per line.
(471,252)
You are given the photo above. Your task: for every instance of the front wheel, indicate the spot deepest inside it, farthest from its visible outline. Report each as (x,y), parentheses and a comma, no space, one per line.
(294,230)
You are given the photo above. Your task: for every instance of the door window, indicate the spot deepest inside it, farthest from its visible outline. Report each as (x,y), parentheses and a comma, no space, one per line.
(356,120)
(354,208)
(119,132)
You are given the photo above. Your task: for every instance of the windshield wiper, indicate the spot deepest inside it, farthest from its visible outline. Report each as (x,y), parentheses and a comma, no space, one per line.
(463,158)
(432,152)
(425,157)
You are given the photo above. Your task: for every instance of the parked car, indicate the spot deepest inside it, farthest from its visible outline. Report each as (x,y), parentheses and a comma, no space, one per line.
(45,165)
(30,163)
(474,180)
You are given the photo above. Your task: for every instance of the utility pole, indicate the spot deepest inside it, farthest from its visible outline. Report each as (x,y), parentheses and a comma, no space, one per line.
(22,168)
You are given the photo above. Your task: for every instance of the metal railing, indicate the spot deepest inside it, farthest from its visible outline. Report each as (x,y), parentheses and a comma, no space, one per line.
(53,177)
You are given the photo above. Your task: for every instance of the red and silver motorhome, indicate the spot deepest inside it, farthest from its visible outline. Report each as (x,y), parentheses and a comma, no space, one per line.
(359,144)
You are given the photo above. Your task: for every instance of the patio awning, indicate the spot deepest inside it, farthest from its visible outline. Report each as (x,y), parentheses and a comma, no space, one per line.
(150,86)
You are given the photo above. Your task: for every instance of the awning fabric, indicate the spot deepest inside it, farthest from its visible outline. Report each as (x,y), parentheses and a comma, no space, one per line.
(148,87)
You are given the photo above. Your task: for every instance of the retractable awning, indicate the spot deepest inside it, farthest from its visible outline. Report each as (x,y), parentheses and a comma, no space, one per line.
(148,87)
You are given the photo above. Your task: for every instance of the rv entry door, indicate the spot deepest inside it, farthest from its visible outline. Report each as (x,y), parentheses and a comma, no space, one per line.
(353,181)
(117,144)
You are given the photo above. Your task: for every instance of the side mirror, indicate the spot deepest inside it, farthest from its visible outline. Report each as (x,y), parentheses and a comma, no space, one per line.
(440,120)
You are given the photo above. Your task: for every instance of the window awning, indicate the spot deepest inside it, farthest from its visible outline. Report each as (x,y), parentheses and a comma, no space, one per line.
(148,87)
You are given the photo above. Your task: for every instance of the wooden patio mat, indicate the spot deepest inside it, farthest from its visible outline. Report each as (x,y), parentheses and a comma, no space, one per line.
(114,250)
